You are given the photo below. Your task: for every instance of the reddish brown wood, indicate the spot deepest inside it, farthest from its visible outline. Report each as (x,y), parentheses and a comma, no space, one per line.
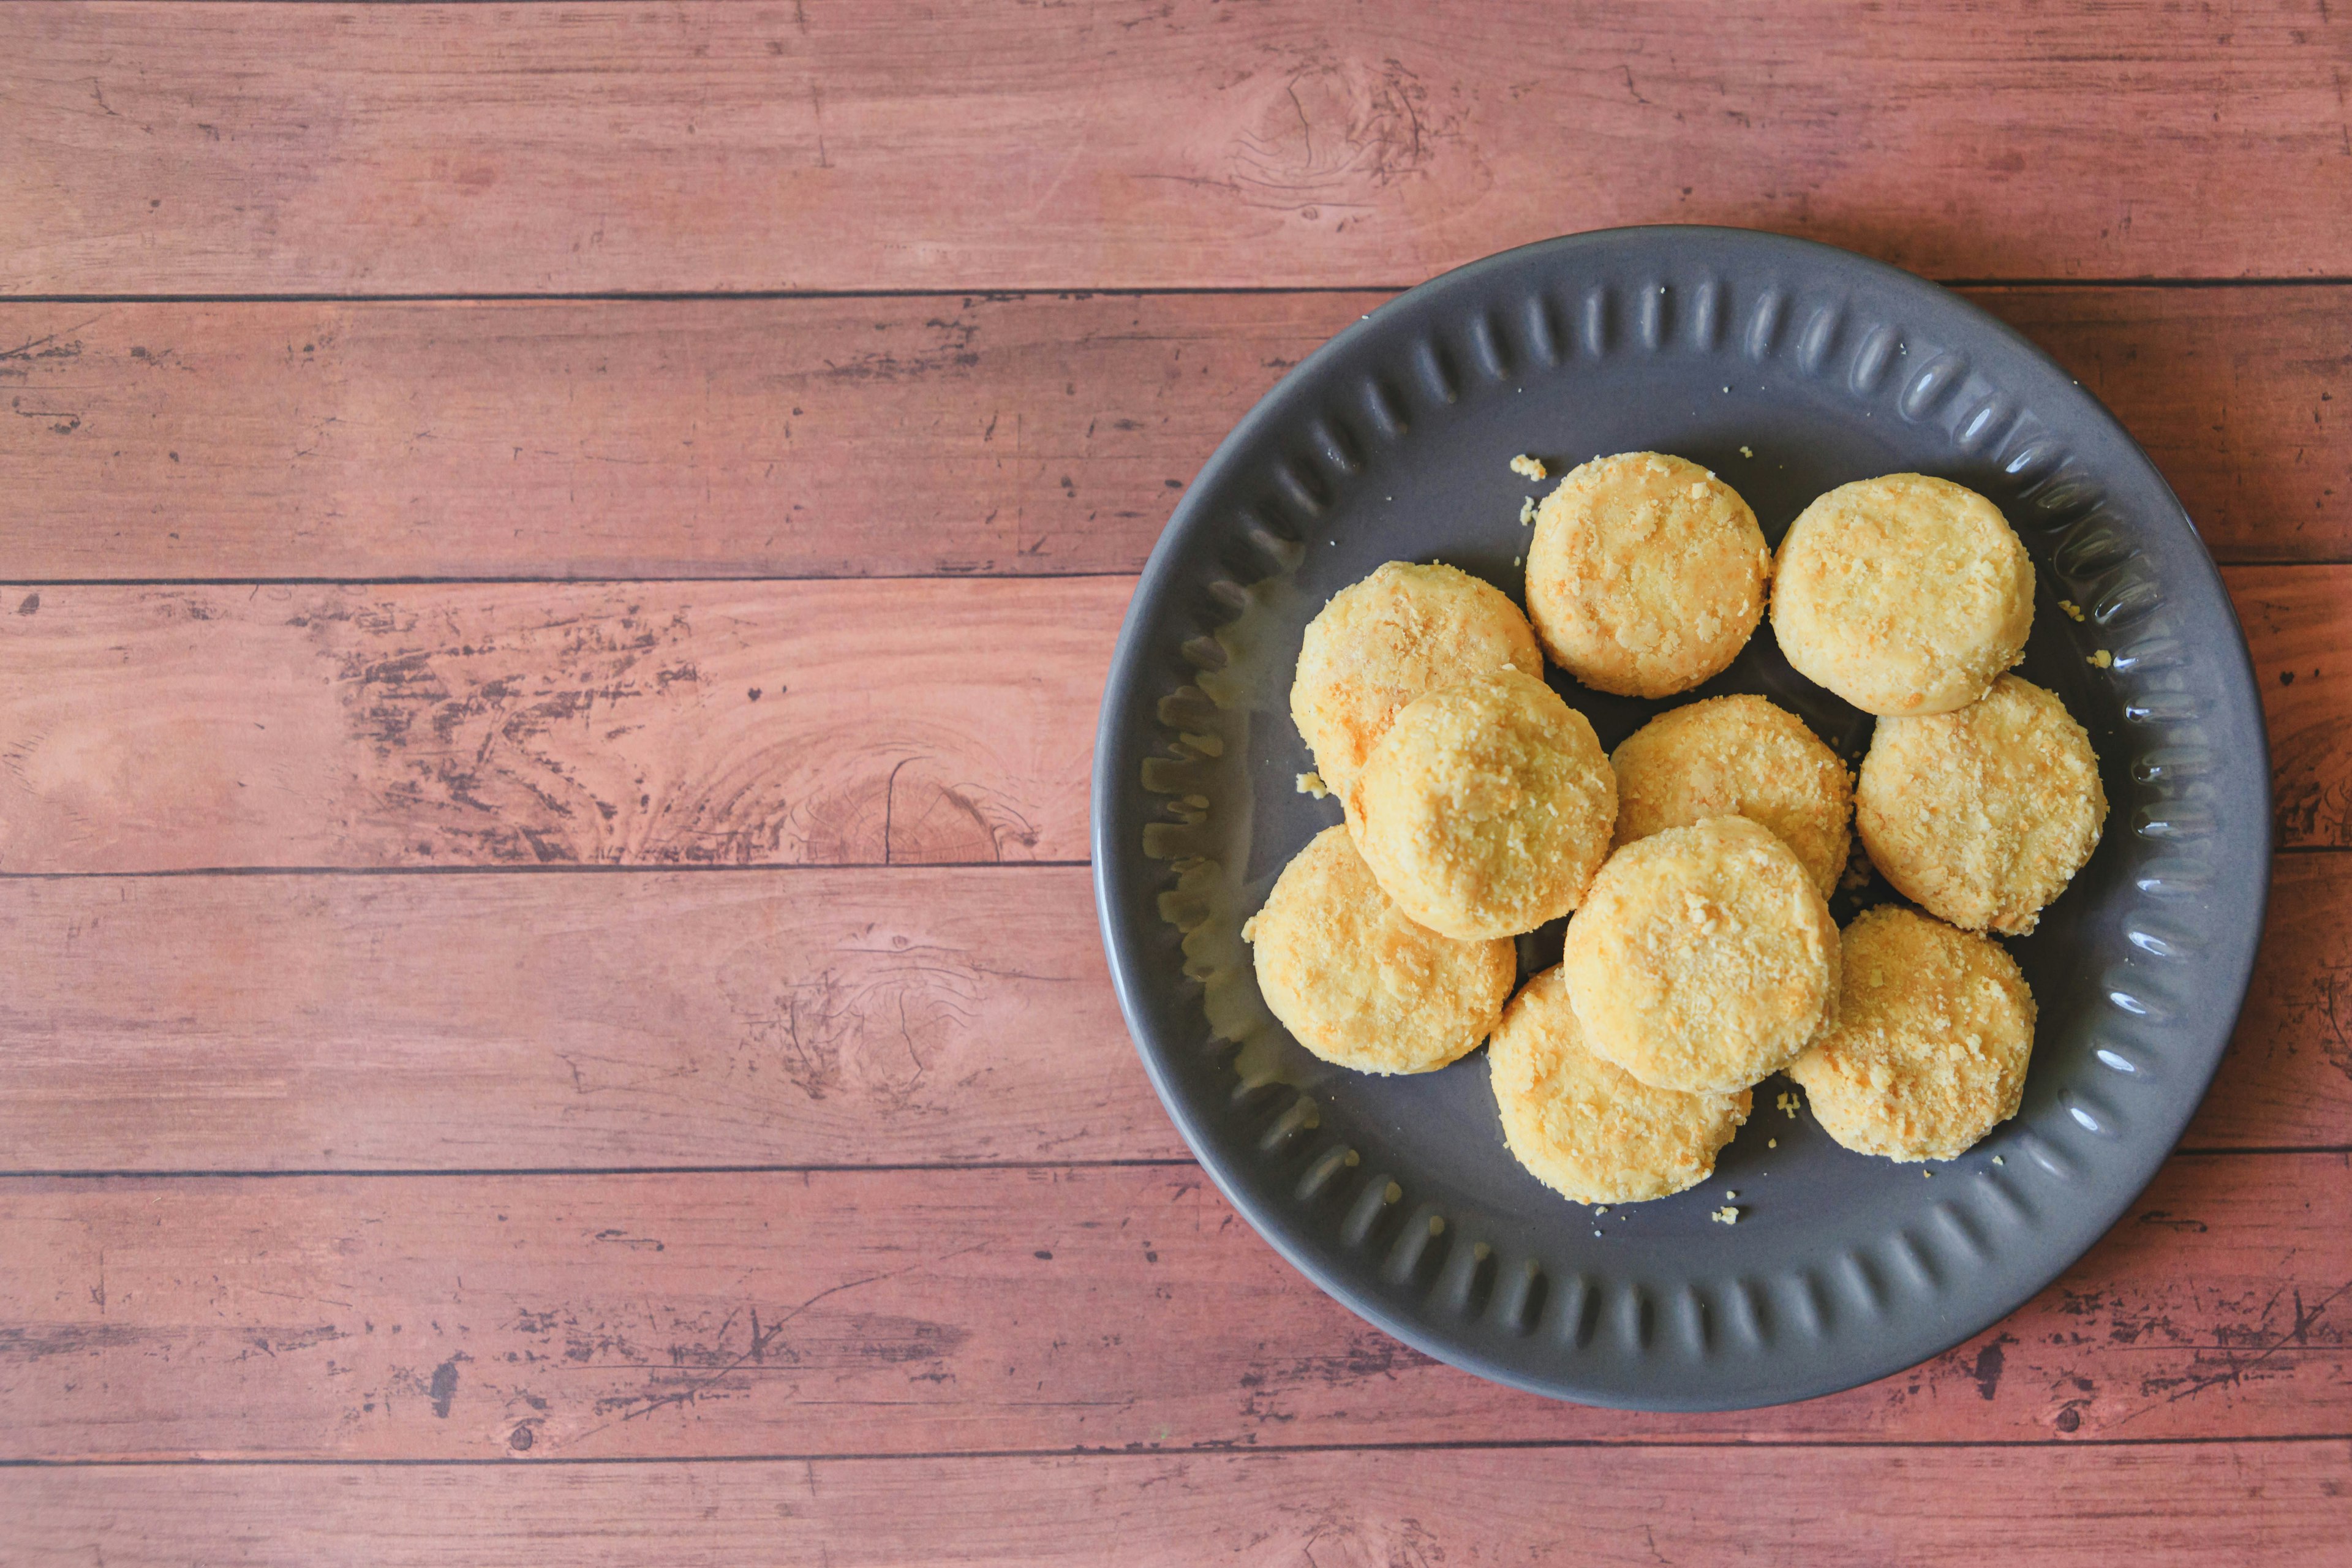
(1827,1508)
(2287,1079)
(902,722)
(2240,395)
(793,1018)
(429,725)
(813,1017)
(732,438)
(2297,623)
(913,1312)
(854,438)
(712,145)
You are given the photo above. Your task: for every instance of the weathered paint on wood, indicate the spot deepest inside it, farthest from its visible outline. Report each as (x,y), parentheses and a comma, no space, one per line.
(708,437)
(818,1016)
(812,722)
(2297,625)
(793,1018)
(920,1312)
(711,146)
(2072,1507)
(857,438)
(797,722)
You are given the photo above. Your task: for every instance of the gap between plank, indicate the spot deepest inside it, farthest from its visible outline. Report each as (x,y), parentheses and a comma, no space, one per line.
(1000,291)
(1175,1451)
(555,868)
(2319,562)
(1150,1164)
(659,867)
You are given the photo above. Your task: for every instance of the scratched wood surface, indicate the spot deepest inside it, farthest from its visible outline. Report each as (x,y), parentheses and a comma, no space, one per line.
(824,722)
(1033,1309)
(197,148)
(1933,1507)
(1033,434)
(826,1017)
(454,1016)
(842,723)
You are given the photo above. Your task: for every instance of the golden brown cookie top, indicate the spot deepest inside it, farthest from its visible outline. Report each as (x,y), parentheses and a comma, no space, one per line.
(1703,959)
(1738,756)
(1903,594)
(1984,814)
(1402,632)
(1586,1128)
(1646,575)
(1486,808)
(1934,1030)
(1360,984)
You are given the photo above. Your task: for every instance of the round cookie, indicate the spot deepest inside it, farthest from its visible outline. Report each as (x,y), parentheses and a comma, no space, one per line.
(1646,574)
(1984,815)
(1402,632)
(1703,959)
(1905,594)
(1585,1127)
(1486,808)
(1928,1053)
(1738,756)
(1360,984)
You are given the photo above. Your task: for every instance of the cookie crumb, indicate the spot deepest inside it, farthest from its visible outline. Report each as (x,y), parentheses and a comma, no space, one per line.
(1788,1104)
(1311,782)
(1726,1215)
(1527,468)
(1728,1193)
(1999,1161)
(2102,658)
(1745,452)
(1526,511)
(1771,1143)
(2072,608)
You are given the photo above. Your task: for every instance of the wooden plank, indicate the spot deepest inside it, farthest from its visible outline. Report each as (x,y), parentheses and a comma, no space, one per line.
(924,1312)
(2240,395)
(671,1019)
(794,722)
(858,438)
(802,1017)
(444,149)
(2287,1079)
(436,725)
(2068,1506)
(2298,622)
(714,437)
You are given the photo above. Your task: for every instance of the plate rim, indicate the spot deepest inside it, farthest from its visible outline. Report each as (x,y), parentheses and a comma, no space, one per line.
(1272,1224)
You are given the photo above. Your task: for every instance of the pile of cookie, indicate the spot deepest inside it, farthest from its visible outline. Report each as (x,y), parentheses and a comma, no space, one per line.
(1699,858)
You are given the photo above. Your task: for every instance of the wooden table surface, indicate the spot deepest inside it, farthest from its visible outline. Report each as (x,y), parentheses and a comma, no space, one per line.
(560,560)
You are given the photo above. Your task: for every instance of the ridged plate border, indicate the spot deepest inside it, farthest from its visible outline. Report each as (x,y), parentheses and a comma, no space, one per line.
(1385,1193)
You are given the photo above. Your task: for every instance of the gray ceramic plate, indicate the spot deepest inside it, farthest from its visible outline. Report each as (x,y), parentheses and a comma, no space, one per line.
(1786,368)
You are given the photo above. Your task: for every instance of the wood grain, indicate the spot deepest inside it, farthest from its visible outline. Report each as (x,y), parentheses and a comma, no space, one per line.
(856,437)
(706,145)
(798,723)
(436,725)
(414,1023)
(2297,623)
(2287,1079)
(713,437)
(2240,395)
(800,1017)
(1826,1508)
(923,1312)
